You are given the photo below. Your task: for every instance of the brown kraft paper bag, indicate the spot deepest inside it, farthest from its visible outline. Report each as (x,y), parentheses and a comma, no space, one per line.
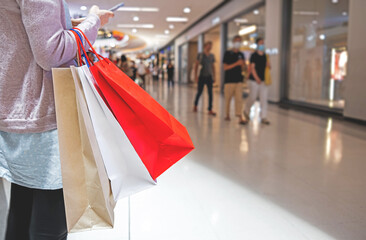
(88,197)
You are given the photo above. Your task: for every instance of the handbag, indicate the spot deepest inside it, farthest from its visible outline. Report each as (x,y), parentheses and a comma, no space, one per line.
(125,170)
(267,74)
(157,137)
(124,167)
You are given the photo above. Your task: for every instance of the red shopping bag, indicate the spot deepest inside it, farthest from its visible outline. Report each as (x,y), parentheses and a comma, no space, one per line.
(158,138)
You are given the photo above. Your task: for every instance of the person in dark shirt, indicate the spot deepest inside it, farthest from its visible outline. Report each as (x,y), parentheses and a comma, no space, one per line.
(206,76)
(134,70)
(258,64)
(170,70)
(234,62)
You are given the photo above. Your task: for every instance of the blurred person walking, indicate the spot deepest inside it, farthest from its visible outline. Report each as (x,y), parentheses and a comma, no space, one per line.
(155,72)
(35,39)
(258,64)
(170,70)
(206,76)
(113,58)
(148,76)
(142,71)
(162,70)
(124,66)
(234,64)
(133,70)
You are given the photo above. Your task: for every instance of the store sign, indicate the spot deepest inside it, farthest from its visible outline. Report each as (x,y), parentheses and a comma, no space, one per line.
(272,51)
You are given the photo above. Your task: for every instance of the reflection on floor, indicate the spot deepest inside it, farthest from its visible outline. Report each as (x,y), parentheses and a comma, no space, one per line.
(302,177)
(335,104)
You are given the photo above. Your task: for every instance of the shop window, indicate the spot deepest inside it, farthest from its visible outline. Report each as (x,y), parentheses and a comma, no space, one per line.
(318,61)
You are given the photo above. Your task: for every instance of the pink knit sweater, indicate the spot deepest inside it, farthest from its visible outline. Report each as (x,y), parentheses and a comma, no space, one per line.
(33,39)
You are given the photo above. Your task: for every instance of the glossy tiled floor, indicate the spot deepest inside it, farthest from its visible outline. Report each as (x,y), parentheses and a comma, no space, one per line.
(301,178)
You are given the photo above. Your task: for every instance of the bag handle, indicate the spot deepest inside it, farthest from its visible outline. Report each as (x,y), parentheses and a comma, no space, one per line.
(81,46)
(91,45)
(79,52)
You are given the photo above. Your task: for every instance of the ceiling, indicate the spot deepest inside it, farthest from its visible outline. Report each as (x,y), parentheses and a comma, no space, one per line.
(155,37)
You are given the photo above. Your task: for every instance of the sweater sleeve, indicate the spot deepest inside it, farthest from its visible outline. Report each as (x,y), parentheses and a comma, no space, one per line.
(51,44)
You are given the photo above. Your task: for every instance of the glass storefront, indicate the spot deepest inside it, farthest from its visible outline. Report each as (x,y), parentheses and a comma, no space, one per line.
(249,26)
(318,58)
(183,73)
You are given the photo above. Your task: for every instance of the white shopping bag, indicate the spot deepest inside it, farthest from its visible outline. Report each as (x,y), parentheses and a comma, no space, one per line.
(124,167)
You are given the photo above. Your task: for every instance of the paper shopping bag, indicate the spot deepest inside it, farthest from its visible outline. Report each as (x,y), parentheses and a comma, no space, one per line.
(88,198)
(125,169)
(158,138)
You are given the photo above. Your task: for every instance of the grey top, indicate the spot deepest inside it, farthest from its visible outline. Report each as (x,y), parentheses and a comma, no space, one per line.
(31,160)
(34,39)
(206,62)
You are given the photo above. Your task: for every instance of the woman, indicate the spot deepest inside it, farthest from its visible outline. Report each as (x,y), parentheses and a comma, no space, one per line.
(36,39)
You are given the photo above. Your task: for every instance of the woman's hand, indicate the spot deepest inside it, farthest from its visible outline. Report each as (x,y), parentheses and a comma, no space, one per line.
(76,22)
(104,15)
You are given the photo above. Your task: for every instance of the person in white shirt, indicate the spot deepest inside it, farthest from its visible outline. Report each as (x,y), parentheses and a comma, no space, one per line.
(141,71)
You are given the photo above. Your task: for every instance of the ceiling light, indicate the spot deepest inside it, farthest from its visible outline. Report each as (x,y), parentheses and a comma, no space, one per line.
(247,30)
(177,19)
(241,20)
(344,13)
(306,13)
(315,22)
(138,9)
(171,26)
(245,43)
(166,31)
(83,8)
(149,9)
(134,30)
(256,12)
(334,1)
(136,18)
(186,10)
(135,25)
(321,36)
(161,36)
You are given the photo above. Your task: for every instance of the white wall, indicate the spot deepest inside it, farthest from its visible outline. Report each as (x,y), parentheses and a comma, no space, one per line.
(273,38)
(355,97)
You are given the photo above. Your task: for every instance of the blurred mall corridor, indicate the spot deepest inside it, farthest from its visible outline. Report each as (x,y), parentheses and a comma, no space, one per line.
(302,177)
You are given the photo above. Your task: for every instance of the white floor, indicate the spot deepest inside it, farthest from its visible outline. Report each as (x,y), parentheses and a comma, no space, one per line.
(301,178)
